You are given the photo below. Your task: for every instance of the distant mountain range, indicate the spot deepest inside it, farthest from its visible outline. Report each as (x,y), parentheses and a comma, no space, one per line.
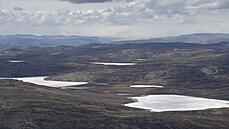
(23,41)
(200,38)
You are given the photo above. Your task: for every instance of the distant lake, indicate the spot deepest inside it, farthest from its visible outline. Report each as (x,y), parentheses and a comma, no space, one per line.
(124,94)
(146,86)
(16,61)
(43,82)
(116,64)
(74,88)
(162,103)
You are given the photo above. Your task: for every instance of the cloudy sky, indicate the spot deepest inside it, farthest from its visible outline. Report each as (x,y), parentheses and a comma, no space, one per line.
(131,19)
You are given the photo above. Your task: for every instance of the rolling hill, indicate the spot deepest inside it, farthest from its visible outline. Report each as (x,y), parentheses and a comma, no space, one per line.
(191,69)
(23,41)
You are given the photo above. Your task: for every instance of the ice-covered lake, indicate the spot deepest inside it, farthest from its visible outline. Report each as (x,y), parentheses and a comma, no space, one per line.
(162,103)
(115,64)
(16,61)
(74,88)
(146,86)
(124,94)
(43,82)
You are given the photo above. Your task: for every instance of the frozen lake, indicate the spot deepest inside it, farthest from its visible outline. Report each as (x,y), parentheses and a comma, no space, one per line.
(162,103)
(124,94)
(74,88)
(116,64)
(146,86)
(43,82)
(16,61)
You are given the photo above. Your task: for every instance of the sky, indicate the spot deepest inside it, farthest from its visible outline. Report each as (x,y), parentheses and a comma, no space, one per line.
(129,19)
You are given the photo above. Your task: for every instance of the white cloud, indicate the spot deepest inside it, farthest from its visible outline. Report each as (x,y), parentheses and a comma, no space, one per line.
(93,1)
(134,20)
(18,8)
(193,4)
